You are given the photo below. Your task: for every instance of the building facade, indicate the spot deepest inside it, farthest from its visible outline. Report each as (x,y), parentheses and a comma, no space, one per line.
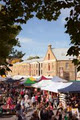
(55,63)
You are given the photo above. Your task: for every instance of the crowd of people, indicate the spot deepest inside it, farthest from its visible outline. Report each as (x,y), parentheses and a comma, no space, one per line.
(73,100)
(45,105)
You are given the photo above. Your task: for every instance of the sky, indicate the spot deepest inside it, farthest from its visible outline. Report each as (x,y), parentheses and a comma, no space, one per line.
(37,34)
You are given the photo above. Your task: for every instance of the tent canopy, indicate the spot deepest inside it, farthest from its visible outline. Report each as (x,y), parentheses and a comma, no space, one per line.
(29,82)
(74,87)
(55,86)
(58,79)
(42,83)
(44,78)
(10,80)
(33,79)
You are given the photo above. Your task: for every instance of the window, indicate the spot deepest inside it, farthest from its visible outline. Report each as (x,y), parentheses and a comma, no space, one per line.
(31,71)
(48,66)
(52,65)
(48,56)
(45,66)
(32,66)
(41,72)
(41,65)
(61,71)
(67,65)
(36,65)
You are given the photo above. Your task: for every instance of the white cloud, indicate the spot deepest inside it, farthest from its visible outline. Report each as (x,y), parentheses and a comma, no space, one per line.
(30,42)
(24,40)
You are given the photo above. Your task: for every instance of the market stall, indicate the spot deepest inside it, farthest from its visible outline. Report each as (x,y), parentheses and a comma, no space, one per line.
(54,86)
(72,97)
(29,82)
(43,78)
(42,83)
(74,87)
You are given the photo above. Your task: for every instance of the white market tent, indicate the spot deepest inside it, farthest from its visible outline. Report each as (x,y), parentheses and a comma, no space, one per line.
(58,79)
(16,77)
(42,83)
(54,86)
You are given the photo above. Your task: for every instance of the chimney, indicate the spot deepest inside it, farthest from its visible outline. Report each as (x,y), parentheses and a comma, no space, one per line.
(49,46)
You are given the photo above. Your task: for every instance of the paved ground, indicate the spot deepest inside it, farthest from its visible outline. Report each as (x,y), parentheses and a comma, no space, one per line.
(12,117)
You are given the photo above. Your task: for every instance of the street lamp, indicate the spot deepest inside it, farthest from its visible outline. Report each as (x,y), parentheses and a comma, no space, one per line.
(75,72)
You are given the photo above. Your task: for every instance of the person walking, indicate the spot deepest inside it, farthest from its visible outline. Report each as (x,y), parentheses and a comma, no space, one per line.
(33,101)
(44,114)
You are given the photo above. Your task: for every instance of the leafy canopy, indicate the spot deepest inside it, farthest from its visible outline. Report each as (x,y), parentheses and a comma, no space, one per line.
(17,12)
(31,57)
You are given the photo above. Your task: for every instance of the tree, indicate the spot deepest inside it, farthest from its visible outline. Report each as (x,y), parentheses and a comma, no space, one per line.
(15,56)
(8,40)
(20,11)
(31,57)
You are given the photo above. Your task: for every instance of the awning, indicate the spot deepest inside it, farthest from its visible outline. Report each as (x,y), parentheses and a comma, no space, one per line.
(74,87)
(54,86)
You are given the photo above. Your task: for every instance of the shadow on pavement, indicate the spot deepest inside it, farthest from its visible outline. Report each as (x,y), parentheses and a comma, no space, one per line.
(6,116)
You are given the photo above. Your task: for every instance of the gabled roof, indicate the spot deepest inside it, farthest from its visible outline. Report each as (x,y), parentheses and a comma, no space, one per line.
(30,61)
(33,60)
(60,54)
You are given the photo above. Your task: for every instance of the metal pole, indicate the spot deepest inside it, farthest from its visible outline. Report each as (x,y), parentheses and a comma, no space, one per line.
(75,72)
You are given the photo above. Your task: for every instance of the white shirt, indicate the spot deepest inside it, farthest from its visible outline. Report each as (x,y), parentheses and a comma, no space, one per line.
(33,99)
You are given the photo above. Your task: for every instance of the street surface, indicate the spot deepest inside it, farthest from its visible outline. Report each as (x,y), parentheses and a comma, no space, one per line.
(12,117)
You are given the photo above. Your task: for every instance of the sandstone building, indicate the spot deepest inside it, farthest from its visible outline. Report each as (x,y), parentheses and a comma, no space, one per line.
(55,63)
